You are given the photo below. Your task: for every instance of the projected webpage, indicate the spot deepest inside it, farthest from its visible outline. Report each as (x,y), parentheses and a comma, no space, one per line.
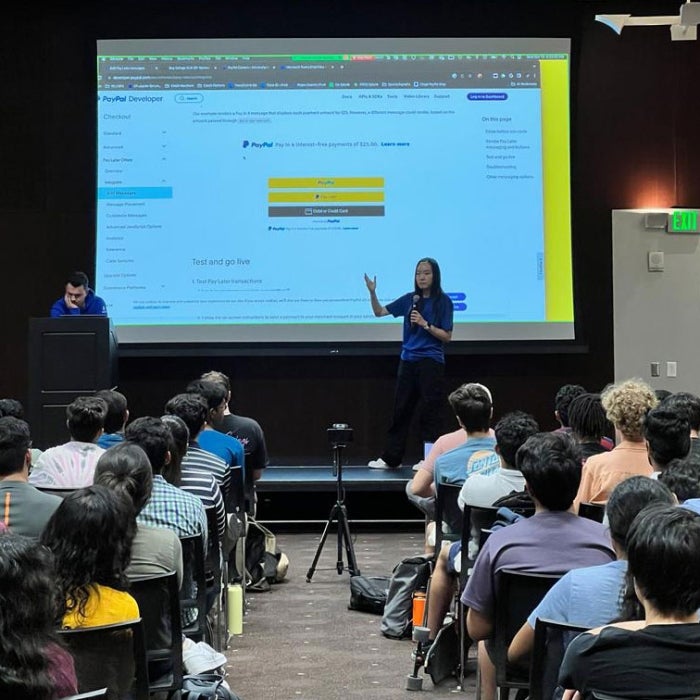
(242,196)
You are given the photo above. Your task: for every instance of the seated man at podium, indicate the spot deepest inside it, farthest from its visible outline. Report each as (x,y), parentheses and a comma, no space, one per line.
(78,299)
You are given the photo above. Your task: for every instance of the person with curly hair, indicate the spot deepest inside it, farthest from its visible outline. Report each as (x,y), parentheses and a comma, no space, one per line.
(90,535)
(626,405)
(33,664)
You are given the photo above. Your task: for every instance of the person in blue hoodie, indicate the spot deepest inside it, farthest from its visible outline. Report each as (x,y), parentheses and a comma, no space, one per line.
(78,299)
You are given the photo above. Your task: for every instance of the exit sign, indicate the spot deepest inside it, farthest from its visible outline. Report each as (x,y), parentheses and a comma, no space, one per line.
(683,221)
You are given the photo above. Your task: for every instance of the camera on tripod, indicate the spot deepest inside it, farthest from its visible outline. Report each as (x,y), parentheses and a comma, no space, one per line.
(339,434)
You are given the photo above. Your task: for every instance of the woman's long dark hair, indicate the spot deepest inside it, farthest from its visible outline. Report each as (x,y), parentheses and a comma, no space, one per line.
(90,535)
(436,292)
(29,600)
(436,288)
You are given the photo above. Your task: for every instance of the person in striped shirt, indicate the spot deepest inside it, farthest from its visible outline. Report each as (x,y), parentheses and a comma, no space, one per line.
(193,410)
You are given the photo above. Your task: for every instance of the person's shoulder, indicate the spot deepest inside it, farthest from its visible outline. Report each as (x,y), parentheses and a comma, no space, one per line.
(199,454)
(403,300)
(447,300)
(597,461)
(181,495)
(242,422)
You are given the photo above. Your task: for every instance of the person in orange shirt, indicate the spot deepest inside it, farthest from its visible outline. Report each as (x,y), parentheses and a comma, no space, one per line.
(626,404)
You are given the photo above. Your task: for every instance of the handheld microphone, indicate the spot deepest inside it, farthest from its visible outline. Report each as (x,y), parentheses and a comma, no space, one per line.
(414,306)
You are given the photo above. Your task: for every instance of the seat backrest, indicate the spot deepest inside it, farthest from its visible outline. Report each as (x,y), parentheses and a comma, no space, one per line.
(448,516)
(111,656)
(158,598)
(235,498)
(213,562)
(482,517)
(479,519)
(592,511)
(517,595)
(193,595)
(551,640)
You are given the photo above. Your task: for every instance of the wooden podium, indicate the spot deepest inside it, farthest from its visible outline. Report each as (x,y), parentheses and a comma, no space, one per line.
(69,356)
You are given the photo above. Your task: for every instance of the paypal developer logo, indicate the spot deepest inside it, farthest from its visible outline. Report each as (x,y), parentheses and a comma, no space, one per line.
(257,144)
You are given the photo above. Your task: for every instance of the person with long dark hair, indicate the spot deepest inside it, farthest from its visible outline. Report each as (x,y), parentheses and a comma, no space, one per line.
(427,327)
(90,535)
(33,664)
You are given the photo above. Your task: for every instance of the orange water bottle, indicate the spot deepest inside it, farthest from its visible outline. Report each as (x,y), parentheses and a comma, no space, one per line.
(418,608)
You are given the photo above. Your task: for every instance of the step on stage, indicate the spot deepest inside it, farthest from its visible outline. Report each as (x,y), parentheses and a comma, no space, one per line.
(298,494)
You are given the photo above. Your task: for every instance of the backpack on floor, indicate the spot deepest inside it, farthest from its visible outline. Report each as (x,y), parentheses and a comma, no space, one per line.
(408,576)
(368,593)
(264,563)
(206,686)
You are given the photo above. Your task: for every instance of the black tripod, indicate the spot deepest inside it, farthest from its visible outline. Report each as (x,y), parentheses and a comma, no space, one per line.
(339,514)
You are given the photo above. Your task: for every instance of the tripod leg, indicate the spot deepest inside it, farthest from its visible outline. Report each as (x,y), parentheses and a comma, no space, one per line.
(349,548)
(317,556)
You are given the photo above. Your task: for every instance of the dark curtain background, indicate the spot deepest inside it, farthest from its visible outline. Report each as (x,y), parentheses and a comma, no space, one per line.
(634,123)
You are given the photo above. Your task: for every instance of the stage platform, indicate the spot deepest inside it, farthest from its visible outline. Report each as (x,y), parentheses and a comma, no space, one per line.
(321,478)
(307,494)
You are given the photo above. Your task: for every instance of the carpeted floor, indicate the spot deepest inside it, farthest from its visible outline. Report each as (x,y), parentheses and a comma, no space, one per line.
(300,641)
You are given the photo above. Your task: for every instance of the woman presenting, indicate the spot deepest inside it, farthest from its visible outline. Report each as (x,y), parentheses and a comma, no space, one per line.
(427,326)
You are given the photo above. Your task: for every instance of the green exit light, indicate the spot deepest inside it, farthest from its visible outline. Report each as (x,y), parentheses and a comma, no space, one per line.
(683,221)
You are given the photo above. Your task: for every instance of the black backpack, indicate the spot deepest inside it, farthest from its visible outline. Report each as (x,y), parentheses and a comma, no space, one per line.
(369,593)
(519,502)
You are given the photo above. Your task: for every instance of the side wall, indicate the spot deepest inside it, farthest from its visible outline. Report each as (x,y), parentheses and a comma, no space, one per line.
(656,313)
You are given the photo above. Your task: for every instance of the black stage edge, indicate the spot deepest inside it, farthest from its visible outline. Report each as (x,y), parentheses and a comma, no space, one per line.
(304,494)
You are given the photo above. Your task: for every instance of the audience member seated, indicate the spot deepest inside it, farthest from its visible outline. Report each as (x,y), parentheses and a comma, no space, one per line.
(33,664)
(125,469)
(658,657)
(588,424)
(72,465)
(485,489)
(78,298)
(169,506)
(682,476)
(246,430)
(178,448)
(210,439)
(689,404)
(479,490)
(474,409)
(116,418)
(90,535)
(553,541)
(25,510)
(421,489)
(667,434)
(199,483)
(591,596)
(13,408)
(625,406)
(193,409)
(562,400)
